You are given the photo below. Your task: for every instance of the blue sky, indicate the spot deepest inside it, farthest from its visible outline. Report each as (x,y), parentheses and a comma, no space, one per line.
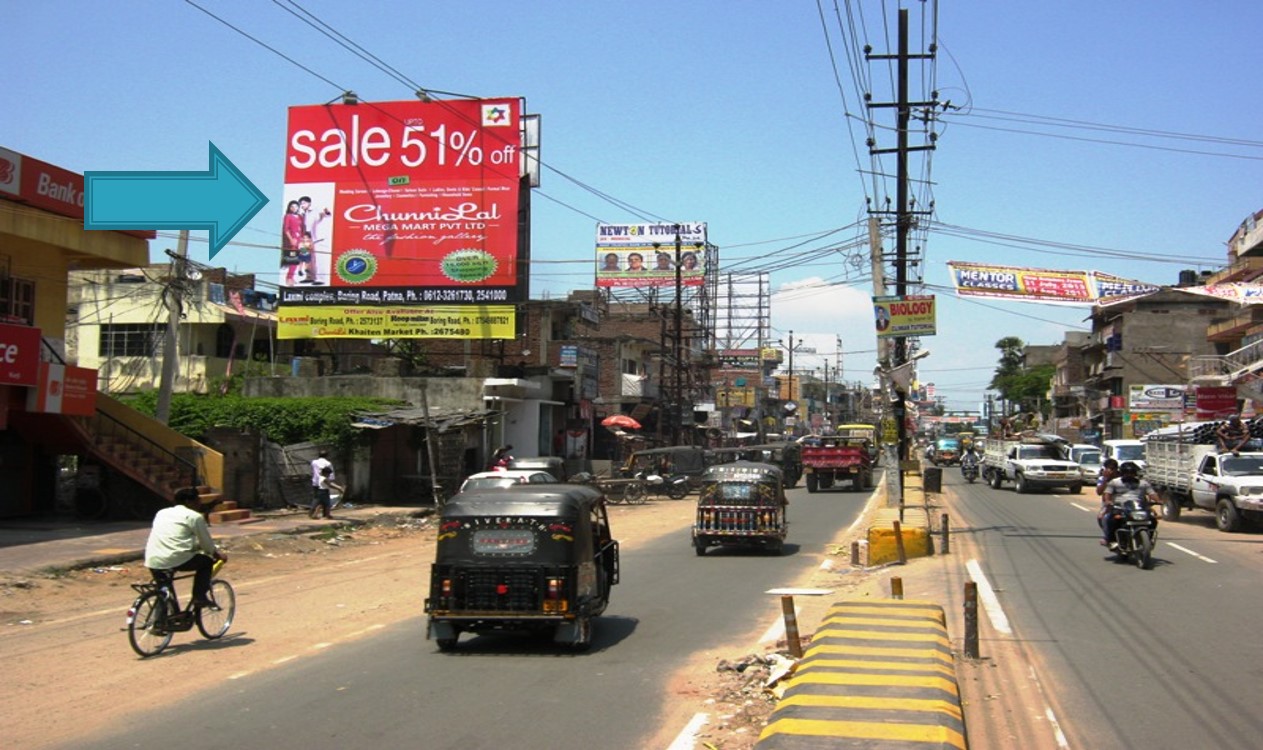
(732,113)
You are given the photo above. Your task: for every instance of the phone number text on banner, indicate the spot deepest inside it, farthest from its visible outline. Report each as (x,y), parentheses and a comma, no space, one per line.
(452,321)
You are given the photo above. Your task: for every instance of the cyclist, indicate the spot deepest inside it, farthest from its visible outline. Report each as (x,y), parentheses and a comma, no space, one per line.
(181,540)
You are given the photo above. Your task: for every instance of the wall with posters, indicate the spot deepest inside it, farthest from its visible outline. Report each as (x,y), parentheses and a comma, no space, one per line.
(402,220)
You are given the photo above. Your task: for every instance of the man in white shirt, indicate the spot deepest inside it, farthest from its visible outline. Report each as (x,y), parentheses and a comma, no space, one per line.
(317,466)
(180,540)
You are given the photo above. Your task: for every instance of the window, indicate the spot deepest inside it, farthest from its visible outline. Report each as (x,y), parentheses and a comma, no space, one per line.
(17,300)
(130,340)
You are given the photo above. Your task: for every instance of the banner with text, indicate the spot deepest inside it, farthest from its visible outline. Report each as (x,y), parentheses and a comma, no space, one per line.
(911,315)
(455,321)
(401,203)
(638,255)
(1043,285)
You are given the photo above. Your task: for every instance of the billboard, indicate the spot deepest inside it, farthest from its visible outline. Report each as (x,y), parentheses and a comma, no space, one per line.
(1142,397)
(1042,285)
(639,255)
(411,206)
(910,315)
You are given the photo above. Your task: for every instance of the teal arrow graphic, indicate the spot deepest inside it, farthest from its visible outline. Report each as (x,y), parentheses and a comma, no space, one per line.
(220,200)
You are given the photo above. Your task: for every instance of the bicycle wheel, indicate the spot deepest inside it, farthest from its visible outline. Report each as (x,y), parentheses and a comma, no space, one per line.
(146,624)
(215,620)
(634,494)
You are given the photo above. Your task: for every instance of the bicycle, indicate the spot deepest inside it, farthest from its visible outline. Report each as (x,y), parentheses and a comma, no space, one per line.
(156,615)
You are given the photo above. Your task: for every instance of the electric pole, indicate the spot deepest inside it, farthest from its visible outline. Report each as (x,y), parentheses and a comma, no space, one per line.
(173,294)
(904,215)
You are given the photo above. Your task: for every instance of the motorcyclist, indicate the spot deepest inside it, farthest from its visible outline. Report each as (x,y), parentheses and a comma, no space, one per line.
(969,458)
(1126,486)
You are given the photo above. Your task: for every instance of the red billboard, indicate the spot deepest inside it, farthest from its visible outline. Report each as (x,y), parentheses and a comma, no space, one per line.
(402,203)
(19,355)
(44,186)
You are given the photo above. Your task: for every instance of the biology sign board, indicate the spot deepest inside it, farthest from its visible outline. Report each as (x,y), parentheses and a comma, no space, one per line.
(911,315)
(1155,397)
(398,206)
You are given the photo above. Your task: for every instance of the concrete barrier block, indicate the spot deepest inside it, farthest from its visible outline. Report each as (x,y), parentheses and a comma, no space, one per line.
(878,674)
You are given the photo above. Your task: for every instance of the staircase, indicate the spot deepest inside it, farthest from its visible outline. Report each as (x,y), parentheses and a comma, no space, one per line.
(1242,368)
(154,467)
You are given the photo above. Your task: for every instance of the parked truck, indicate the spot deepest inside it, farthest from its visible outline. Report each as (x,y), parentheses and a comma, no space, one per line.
(1031,462)
(829,460)
(1188,475)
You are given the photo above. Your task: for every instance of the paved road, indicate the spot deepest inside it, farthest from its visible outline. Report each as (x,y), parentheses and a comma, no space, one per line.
(1167,658)
(395,690)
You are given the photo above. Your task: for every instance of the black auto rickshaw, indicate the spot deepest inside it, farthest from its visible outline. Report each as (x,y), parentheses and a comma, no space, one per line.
(787,456)
(551,464)
(688,461)
(741,503)
(533,558)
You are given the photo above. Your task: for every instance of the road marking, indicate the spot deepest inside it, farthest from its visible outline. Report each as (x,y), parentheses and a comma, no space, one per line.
(687,737)
(1080,507)
(1188,551)
(284,659)
(995,612)
(1059,735)
(239,675)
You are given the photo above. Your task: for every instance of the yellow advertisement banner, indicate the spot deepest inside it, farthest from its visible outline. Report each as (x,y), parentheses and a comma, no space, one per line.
(910,315)
(441,321)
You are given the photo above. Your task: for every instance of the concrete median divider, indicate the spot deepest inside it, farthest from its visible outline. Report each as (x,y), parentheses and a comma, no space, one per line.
(878,674)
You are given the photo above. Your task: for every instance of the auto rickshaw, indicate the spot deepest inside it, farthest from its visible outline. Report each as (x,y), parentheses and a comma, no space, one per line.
(946,451)
(866,433)
(741,503)
(533,558)
(688,461)
(787,456)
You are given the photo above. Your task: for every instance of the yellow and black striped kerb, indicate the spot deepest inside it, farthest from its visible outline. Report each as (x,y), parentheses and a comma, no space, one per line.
(879,674)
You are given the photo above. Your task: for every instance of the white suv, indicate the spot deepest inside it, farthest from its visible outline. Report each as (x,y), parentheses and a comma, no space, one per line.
(1124,450)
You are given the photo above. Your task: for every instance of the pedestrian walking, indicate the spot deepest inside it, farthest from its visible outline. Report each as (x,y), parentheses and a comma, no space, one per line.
(323,504)
(318,465)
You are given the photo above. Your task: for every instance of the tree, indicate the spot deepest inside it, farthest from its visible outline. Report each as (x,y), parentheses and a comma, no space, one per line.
(1025,387)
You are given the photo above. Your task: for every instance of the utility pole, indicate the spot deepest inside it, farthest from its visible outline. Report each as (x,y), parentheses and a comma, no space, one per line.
(903,213)
(174,297)
(678,395)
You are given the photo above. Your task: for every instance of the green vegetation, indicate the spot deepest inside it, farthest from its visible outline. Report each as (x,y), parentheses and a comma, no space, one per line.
(1025,387)
(280,420)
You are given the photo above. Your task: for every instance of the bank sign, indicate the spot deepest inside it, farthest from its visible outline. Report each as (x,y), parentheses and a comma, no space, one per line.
(912,315)
(1155,397)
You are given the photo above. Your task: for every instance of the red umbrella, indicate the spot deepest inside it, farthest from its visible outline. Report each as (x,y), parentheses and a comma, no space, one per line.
(620,420)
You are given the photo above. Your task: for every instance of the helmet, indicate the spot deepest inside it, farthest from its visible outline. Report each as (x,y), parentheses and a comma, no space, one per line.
(1129,467)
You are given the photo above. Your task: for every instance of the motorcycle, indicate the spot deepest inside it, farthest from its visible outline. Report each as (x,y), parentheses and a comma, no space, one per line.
(676,487)
(1135,530)
(969,468)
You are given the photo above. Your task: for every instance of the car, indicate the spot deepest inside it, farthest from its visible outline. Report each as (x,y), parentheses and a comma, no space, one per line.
(500,479)
(1088,457)
(1124,450)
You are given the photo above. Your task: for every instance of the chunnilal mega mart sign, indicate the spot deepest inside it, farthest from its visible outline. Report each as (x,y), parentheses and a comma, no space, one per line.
(402,220)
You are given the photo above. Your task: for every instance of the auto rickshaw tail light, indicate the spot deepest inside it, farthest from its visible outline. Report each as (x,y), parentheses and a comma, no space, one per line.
(553,600)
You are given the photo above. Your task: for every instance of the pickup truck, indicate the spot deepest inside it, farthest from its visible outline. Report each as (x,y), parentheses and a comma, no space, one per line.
(1188,475)
(1030,463)
(832,459)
